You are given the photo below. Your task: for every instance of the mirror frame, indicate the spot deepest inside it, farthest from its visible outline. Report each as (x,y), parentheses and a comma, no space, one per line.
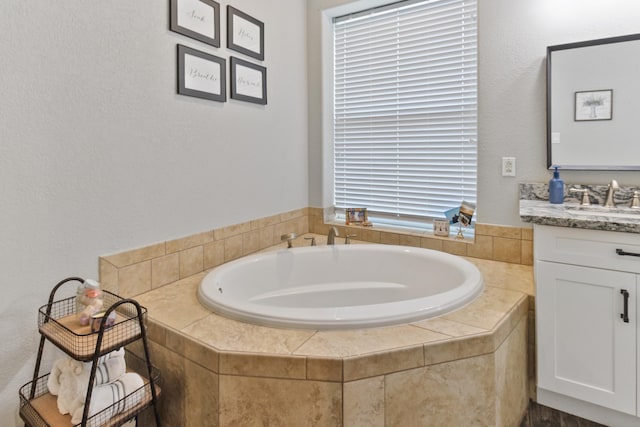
(575,45)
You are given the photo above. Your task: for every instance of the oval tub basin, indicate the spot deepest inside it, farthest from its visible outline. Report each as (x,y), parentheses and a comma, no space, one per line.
(340,287)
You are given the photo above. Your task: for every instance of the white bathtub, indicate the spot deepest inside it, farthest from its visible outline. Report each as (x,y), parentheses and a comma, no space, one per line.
(340,287)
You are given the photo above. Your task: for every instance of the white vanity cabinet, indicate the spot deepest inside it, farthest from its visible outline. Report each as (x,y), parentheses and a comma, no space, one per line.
(586,322)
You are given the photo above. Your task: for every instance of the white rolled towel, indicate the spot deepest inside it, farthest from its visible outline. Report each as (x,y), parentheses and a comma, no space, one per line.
(69,378)
(108,398)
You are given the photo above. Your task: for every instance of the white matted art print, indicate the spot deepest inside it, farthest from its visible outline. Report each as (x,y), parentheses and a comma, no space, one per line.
(594,105)
(248,81)
(245,34)
(201,75)
(198,19)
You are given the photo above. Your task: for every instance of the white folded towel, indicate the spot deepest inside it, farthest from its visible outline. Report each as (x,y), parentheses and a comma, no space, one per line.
(69,378)
(108,398)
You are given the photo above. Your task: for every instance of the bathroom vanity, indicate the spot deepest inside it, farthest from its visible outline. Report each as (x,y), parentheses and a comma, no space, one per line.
(587,273)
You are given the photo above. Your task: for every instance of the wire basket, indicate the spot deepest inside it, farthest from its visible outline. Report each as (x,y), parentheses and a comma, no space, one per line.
(42,410)
(58,322)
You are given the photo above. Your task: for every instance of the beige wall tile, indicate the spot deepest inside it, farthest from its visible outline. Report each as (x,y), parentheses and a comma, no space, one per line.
(506,250)
(233,336)
(364,402)
(267,236)
(407,240)
(165,270)
(448,327)
(258,402)
(261,365)
(454,247)
(527,233)
(383,362)
(156,332)
(189,242)
(460,348)
(108,276)
(175,305)
(193,350)
(369,235)
(251,242)
(358,342)
(286,216)
(481,248)
(233,247)
(387,238)
(265,222)
(232,230)
(315,211)
(191,261)
(213,254)
(172,369)
(431,243)
(507,276)
(318,226)
(135,256)
(134,279)
(526,255)
(499,231)
(201,396)
(324,369)
(511,377)
(459,393)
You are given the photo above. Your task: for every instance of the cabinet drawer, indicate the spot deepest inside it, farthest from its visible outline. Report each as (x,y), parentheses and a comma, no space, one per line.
(593,248)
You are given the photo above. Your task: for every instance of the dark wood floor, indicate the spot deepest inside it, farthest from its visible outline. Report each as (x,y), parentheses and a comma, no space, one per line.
(543,416)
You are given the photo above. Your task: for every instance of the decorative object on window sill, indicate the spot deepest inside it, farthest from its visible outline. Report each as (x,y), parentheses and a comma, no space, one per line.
(441,227)
(198,19)
(355,216)
(245,34)
(248,81)
(464,218)
(201,75)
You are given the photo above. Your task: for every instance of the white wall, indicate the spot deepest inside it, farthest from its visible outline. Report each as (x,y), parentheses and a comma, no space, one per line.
(513,36)
(98,154)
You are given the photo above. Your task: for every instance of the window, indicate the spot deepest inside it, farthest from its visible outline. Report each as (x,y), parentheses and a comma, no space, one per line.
(405,109)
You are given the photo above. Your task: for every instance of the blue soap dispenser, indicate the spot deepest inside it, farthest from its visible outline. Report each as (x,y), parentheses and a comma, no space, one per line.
(556,188)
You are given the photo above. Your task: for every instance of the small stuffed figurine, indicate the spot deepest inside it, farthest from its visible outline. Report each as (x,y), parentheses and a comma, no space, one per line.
(90,301)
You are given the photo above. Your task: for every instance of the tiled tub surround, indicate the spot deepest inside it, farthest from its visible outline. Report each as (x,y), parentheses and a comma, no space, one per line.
(468,367)
(535,208)
(474,358)
(140,270)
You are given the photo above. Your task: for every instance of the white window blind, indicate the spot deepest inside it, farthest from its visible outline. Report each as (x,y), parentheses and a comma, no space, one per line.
(405,108)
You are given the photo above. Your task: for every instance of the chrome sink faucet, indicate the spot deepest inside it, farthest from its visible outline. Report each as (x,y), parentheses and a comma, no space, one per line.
(611,190)
(331,237)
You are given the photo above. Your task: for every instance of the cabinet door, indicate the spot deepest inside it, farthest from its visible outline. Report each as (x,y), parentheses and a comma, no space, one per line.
(585,349)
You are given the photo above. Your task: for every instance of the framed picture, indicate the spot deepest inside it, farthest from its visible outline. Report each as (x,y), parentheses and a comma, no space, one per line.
(594,105)
(245,34)
(201,75)
(248,81)
(355,215)
(198,19)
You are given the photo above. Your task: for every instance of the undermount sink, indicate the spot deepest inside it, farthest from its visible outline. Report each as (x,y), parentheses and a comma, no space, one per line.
(596,210)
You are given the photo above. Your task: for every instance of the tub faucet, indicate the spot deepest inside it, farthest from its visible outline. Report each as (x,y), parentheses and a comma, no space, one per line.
(611,190)
(331,237)
(288,237)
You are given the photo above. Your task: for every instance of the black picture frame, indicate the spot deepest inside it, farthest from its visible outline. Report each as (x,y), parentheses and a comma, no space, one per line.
(192,18)
(248,81)
(195,81)
(242,30)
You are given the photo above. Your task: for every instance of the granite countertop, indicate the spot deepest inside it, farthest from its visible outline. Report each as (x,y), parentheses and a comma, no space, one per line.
(535,208)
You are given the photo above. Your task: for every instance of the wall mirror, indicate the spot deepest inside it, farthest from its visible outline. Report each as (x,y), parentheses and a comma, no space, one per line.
(593,104)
